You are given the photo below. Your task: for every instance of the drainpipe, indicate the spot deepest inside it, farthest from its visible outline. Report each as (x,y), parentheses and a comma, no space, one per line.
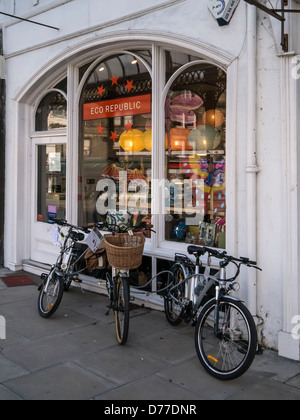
(251,166)
(2,149)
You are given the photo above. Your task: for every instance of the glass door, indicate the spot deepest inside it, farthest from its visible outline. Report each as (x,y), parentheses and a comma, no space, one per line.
(51,182)
(49,195)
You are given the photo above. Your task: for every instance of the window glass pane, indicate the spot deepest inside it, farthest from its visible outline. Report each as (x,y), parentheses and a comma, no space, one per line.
(175,60)
(51,195)
(62,85)
(115,142)
(51,113)
(196,157)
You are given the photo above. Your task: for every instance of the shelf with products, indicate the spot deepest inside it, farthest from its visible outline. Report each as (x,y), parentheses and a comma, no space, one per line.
(143,153)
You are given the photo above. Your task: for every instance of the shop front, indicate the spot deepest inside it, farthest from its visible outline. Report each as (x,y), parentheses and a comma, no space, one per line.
(141,155)
(160,114)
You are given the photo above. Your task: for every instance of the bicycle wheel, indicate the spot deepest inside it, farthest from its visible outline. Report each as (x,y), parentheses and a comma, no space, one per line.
(173,309)
(122,309)
(230,352)
(50,295)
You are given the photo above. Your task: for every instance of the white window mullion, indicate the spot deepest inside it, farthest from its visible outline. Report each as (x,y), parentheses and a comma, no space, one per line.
(72,146)
(158,132)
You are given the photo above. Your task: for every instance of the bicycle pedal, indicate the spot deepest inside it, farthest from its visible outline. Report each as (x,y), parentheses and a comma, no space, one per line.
(109,309)
(131,299)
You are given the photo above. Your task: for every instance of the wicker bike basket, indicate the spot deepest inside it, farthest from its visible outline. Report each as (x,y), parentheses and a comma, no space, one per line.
(124,251)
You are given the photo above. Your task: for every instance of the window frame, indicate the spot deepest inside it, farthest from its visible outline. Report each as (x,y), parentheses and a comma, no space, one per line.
(43,133)
(164,244)
(158,247)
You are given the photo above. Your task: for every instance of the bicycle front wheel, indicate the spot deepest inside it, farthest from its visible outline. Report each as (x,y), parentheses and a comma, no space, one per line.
(50,295)
(122,297)
(229,352)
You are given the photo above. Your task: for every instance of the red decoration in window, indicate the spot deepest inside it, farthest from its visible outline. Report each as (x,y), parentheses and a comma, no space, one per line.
(100,129)
(129,85)
(114,80)
(101,90)
(114,136)
(129,126)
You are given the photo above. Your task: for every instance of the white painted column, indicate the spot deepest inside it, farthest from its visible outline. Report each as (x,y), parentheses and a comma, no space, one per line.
(289,343)
(251,166)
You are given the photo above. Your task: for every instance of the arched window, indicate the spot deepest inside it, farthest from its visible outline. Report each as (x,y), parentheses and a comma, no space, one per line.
(115,140)
(51,113)
(115,145)
(195,161)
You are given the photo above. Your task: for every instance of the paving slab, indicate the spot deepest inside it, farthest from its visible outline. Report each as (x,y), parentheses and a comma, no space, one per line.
(152,387)
(10,370)
(295,382)
(268,390)
(60,382)
(122,365)
(7,395)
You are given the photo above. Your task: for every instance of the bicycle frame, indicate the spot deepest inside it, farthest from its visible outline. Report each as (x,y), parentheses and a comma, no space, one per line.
(219,282)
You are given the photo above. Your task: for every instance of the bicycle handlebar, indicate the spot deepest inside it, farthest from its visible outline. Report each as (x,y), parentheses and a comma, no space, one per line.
(100,225)
(62,222)
(222,255)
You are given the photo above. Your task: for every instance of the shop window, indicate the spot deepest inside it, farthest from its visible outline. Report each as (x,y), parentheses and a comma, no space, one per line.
(62,85)
(51,114)
(115,141)
(175,60)
(51,182)
(195,196)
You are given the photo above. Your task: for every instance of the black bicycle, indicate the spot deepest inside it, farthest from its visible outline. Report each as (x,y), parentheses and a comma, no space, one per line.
(62,273)
(226,335)
(70,267)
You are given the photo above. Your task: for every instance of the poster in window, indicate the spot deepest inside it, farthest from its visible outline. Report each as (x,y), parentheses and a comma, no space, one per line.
(54,162)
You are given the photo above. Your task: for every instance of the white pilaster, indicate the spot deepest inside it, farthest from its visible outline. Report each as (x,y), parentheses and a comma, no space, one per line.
(288,343)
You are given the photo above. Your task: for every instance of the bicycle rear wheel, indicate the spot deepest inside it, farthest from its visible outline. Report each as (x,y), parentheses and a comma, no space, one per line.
(122,297)
(173,310)
(230,352)
(51,294)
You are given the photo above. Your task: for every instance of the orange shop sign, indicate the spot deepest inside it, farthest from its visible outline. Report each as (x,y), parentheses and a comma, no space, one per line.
(117,108)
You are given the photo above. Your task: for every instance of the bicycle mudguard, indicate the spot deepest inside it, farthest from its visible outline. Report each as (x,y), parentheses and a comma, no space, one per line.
(224,297)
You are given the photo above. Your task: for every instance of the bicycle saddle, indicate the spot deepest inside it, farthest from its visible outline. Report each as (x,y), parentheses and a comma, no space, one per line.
(198,250)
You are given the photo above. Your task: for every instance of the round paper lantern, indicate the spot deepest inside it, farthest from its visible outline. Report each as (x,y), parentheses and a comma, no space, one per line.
(148,140)
(204,137)
(180,139)
(187,100)
(132,141)
(214,118)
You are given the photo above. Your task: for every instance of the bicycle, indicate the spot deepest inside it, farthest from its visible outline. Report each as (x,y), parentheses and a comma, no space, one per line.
(225,336)
(124,253)
(62,272)
(68,268)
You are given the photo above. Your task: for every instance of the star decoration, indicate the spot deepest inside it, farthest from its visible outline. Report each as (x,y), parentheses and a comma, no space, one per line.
(101,90)
(114,136)
(100,129)
(129,85)
(129,126)
(114,80)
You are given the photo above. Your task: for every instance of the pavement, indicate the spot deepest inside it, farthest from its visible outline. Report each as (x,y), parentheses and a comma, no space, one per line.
(75,356)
